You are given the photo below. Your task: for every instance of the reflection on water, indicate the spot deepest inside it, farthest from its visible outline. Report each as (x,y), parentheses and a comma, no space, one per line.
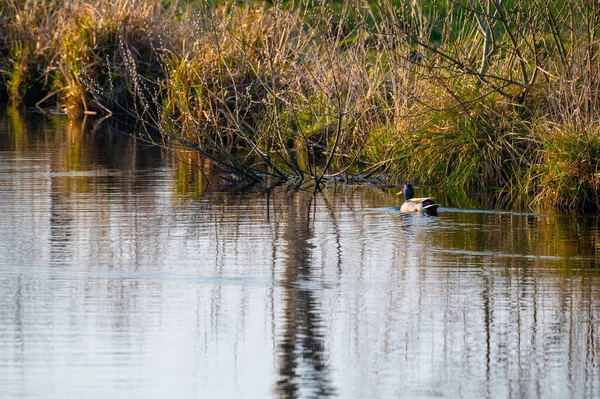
(302,343)
(123,274)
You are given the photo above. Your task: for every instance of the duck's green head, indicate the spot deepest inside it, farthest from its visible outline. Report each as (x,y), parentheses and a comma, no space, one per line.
(408,191)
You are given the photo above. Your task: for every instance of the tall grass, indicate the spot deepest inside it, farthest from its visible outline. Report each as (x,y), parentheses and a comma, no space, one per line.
(68,53)
(475,95)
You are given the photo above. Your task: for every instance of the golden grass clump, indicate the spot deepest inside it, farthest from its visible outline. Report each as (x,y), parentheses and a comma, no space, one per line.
(263,78)
(567,173)
(71,51)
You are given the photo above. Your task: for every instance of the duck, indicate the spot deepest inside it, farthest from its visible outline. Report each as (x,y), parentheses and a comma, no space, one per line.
(426,206)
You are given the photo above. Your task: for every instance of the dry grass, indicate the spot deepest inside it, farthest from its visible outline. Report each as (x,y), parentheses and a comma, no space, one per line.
(447,95)
(70,50)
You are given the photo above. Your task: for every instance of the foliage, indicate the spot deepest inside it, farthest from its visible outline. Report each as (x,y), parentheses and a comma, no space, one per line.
(473,94)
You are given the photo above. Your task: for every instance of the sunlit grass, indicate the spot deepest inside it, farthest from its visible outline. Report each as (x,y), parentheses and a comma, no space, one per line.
(567,173)
(308,92)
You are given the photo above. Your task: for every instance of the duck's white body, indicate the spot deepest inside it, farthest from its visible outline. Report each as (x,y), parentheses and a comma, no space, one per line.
(420,205)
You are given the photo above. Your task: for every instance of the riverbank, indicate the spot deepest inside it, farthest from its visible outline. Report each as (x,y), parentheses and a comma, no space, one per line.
(453,96)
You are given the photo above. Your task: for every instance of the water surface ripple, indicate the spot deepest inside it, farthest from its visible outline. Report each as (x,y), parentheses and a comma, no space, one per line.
(123,275)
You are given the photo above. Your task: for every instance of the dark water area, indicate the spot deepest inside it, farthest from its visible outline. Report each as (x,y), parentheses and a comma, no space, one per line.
(123,274)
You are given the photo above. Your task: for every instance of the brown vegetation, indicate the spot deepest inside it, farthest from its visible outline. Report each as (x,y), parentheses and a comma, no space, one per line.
(474,94)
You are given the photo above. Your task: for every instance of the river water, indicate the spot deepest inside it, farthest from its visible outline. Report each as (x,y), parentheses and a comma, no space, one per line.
(124,274)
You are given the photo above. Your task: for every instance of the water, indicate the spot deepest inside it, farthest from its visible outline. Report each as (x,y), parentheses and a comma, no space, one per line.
(122,274)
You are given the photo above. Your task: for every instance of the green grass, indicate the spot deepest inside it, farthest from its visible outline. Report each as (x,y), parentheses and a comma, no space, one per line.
(390,89)
(567,173)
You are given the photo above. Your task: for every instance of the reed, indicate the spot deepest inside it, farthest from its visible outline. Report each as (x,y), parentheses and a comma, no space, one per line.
(68,53)
(566,174)
(462,94)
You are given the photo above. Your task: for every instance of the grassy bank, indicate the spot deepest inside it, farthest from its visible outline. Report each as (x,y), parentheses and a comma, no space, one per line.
(473,95)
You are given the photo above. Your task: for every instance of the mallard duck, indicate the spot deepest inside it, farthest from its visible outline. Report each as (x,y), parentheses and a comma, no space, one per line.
(417,205)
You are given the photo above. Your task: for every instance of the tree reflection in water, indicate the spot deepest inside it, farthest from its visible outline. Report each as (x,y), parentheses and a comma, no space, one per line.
(301,351)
